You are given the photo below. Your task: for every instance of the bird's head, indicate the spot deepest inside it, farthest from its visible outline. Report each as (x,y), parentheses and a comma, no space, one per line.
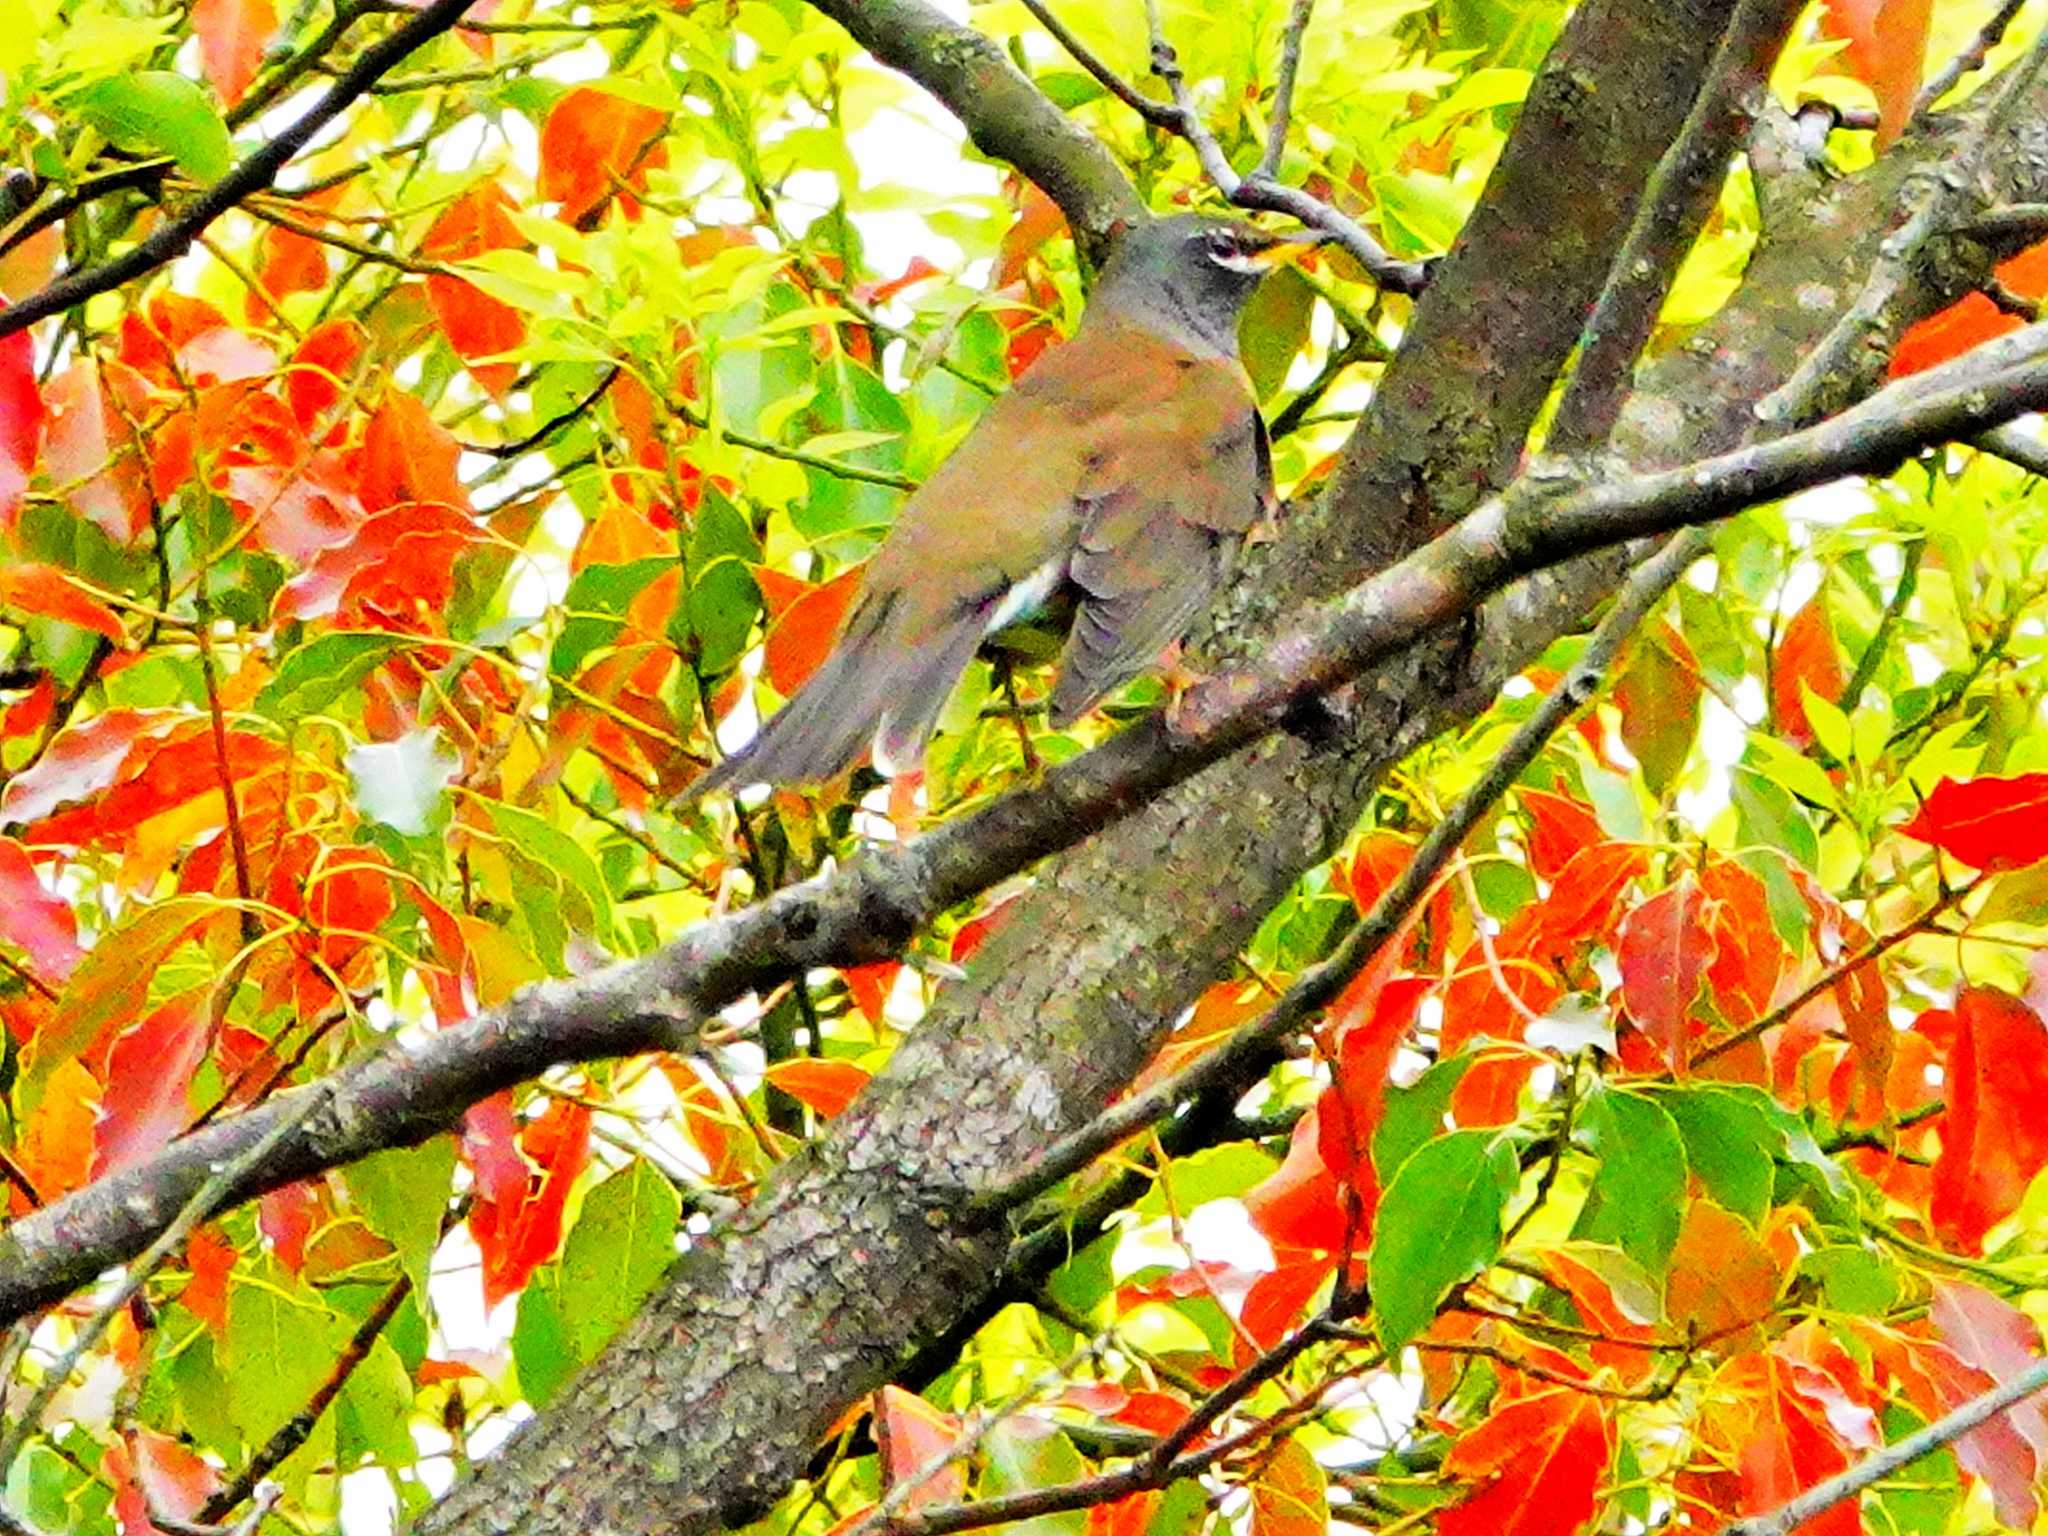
(1195,272)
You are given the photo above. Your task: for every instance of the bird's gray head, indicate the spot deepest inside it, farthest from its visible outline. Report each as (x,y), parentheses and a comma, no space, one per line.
(1190,276)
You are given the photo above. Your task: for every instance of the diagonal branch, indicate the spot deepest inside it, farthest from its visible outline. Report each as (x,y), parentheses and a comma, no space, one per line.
(253,173)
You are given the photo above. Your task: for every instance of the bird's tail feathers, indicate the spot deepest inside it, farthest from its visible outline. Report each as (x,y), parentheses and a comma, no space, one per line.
(871,690)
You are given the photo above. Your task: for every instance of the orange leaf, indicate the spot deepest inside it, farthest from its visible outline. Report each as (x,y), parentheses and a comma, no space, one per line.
(822,1085)
(33,587)
(1887,50)
(1722,1275)
(1993,1136)
(1806,655)
(802,638)
(1290,1496)
(56,1143)
(592,143)
(320,369)
(286,1217)
(232,34)
(912,1435)
(1666,949)
(409,459)
(210,1258)
(1535,1465)
(870,986)
(287,262)
(475,324)
(1764,1437)
(1559,827)
(1993,824)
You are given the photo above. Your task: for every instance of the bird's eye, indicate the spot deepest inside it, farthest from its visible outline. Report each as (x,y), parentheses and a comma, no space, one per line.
(1228,251)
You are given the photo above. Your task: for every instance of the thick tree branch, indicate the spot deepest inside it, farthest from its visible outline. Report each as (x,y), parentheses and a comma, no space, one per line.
(1007,117)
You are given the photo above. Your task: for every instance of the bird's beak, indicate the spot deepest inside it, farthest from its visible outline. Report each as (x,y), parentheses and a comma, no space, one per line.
(1283,253)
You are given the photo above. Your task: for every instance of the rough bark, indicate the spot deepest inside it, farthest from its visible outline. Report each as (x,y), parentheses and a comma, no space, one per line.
(709,1402)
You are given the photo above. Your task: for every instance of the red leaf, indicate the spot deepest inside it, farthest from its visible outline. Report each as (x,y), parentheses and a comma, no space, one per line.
(1559,827)
(912,1435)
(1887,50)
(210,1258)
(1666,947)
(232,34)
(285,1217)
(33,587)
(21,422)
(1805,659)
(320,369)
(1535,1465)
(177,1480)
(591,143)
(802,637)
(1988,1341)
(1748,954)
(821,1085)
(1278,1298)
(34,920)
(1764,1439)
(149,1076)
(1296,1205)
(1993,824)
(516,1236)
(1994,1138)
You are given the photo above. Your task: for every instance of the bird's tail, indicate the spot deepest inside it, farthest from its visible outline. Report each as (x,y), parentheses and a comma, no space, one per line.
(872,691)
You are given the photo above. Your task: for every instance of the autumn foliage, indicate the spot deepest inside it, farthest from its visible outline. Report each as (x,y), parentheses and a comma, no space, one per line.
(372,582)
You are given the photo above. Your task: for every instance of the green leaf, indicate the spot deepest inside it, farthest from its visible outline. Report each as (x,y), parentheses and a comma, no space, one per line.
(1853,1280)
(1638,1196)
(1413,1115)
(618,1249)
(154,109)
(1273,328)
(312,677)
(281,1343)
(402,1195)
(1211,1174)
(374,1411)
(1438,1224)
(851,398)
(1729,1139)
(1026,1453)
(1767,816)
(403,783)
(540,1344)
(716,619)
(596,603)
(558,856)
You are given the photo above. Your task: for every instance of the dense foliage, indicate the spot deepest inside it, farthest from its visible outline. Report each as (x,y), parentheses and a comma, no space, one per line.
(373,576)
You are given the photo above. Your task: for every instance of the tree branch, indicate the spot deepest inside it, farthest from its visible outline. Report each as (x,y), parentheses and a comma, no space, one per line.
(1946,1430)
(1006,116)
(256,171)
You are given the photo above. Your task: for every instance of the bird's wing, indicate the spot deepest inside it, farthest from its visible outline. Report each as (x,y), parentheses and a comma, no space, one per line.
(1168,505)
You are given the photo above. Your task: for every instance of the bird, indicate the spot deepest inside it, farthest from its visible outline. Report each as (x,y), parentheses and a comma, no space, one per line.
(1118,477)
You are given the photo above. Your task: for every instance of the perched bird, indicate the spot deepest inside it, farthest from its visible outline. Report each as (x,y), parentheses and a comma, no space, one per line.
(1120,474)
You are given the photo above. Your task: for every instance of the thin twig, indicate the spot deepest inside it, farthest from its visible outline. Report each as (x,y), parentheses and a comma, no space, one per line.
(1158,113)
(1260,191)
(255,171)
(1283,90)
(1971,58)
(1946,1430)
